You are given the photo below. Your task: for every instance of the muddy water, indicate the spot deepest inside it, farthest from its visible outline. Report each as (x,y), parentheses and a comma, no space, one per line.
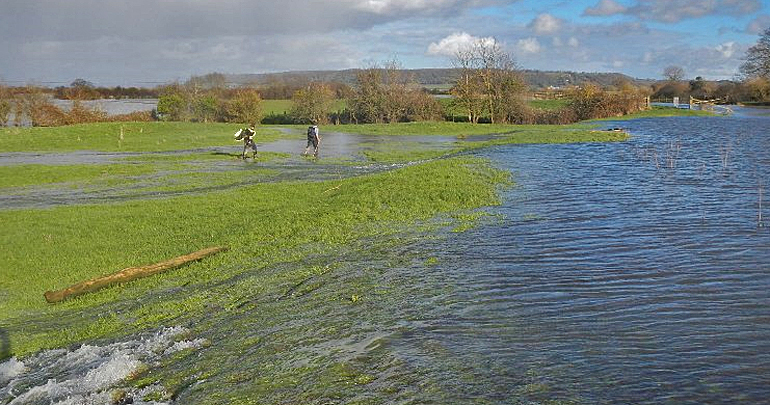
(635,272)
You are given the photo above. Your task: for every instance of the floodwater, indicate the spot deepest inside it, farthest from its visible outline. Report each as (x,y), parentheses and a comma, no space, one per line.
(113,106)
(632,272)
(335,145)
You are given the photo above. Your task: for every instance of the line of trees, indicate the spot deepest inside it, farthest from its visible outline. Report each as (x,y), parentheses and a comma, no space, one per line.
(197,102)
(489,87)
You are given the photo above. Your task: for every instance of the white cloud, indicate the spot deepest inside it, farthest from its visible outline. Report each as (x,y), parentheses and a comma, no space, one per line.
(573,42)
(529,45)
(605,8)
(727,49)
(457,42)
(545,24)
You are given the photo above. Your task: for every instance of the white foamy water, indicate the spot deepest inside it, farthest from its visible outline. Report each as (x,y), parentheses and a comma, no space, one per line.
(89,374)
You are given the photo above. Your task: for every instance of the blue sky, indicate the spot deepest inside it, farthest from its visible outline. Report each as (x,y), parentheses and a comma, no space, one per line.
(145,42)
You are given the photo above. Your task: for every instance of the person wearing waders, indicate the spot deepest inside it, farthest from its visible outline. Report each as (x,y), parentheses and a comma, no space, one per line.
(247,136)
(313,138)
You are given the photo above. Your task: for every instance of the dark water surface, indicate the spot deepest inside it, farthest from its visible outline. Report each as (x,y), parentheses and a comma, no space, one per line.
(618,279)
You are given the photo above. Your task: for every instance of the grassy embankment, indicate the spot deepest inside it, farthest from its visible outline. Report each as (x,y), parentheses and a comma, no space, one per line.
(264,224)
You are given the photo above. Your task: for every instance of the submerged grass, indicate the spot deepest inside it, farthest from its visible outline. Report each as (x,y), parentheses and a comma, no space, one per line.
(27,175)
(132,171)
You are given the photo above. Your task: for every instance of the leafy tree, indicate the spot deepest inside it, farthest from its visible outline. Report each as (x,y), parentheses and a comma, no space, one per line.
(673,73)
(313,104)
(757,60)
(245,107)
(172,106)
(206,108)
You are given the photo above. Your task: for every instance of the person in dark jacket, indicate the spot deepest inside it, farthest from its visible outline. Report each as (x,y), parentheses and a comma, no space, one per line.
(314,139)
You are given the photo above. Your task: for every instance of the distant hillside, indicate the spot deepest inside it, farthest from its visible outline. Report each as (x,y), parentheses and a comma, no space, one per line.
(434,78)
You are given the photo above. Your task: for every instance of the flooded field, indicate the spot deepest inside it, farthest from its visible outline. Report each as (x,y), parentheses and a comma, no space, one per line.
(632,272)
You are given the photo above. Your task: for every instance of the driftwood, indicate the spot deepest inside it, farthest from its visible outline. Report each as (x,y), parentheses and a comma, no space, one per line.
(129,274)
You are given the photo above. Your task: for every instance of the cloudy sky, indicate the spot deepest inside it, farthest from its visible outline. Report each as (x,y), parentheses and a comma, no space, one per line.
(146,42)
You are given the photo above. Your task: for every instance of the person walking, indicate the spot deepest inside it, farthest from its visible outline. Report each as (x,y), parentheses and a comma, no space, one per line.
(247,136)
(314,139)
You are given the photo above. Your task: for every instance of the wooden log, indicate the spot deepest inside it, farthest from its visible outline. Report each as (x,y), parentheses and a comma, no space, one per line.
(129,274)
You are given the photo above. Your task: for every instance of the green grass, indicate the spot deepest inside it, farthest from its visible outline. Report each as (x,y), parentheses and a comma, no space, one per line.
(60,246)
(271,107)
(137,137)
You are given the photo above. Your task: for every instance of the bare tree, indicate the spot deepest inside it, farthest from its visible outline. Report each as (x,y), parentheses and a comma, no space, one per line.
(367,103)
(5,105)
(673,73)
(467,90)
(489,83)
(757,60)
